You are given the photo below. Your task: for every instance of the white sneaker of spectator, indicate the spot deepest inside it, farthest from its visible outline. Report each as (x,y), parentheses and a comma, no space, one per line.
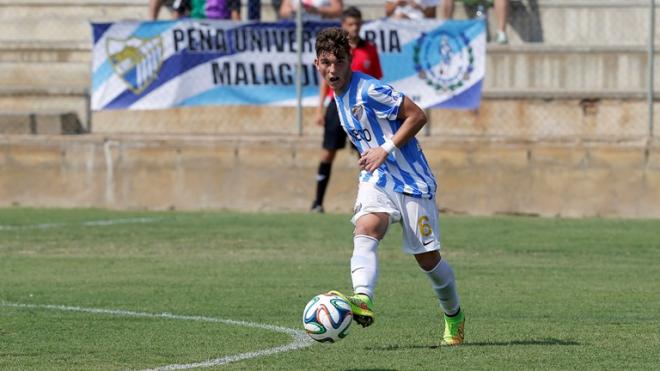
(501,37)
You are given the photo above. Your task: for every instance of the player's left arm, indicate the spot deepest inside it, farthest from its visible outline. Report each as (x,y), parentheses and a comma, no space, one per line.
(412,120)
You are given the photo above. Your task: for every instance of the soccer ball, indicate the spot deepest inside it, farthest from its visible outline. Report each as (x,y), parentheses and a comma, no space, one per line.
(327,318)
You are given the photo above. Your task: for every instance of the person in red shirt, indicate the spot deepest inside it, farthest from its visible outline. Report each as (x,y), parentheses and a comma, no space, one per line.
(365,59)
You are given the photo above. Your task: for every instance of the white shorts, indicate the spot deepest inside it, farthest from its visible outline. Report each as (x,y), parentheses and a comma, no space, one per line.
(418,216)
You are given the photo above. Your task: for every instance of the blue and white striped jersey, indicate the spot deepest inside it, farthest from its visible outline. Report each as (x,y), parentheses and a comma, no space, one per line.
(368,111)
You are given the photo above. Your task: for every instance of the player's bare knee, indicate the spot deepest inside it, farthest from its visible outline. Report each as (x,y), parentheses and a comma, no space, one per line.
(428,260)
(370,231)
(374,225)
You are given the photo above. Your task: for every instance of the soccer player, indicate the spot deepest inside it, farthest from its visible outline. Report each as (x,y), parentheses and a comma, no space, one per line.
(396,183)
(364,59)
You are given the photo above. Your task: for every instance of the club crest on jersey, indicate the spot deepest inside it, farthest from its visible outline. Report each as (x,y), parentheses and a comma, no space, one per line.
(443,60)
(357,111)
(136,60)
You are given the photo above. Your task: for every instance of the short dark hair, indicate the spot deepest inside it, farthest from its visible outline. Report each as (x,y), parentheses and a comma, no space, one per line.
(333,40)
(351,12)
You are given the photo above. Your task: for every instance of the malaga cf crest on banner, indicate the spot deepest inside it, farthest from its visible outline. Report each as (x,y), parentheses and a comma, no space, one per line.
(443,60)
(136,60)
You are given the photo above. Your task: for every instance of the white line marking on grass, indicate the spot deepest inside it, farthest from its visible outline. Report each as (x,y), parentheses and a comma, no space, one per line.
(93,223)
(300,338)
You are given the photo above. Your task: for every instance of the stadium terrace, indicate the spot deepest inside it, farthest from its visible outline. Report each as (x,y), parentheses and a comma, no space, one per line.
(217,40)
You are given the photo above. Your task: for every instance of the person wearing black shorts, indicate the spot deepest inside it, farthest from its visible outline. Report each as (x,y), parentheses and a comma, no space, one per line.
(364,59)
(334,138)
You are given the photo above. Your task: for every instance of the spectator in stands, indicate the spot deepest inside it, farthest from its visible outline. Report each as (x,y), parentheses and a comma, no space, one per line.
(253,10)
(276,7)
(501,10)
(364,59)
(411,9)
(313,9)
(179,8)
(206,9)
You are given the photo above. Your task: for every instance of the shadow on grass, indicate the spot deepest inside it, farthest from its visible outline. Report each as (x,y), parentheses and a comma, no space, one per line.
(548,341)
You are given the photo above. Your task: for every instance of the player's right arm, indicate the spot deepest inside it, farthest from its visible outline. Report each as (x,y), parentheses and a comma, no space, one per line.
(412,120)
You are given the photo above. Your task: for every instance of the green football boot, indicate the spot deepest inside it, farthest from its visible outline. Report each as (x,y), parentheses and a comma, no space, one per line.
(454,329)
(361,306)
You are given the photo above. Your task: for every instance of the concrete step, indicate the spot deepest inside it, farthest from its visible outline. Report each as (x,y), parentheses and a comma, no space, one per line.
(560,22)
(45,52)
(18,100)
(35,65)
(575,22)
(556,22)
(75,9)
(64,20)
(548,68)
(53,74)
(53,123)
(46,30)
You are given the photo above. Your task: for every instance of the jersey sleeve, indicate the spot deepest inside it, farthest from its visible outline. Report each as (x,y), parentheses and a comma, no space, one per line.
(384,100)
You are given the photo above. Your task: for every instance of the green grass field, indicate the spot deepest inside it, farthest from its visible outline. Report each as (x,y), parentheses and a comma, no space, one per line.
(537,293)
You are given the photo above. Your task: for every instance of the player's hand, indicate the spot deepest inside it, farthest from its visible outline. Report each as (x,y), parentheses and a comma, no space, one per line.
(319,119)
(372,158)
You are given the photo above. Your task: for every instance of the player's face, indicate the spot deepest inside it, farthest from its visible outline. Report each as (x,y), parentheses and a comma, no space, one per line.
(336,70)
(352,26)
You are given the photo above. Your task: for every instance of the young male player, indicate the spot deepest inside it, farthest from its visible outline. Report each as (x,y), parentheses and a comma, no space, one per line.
(364,58)
(396,183)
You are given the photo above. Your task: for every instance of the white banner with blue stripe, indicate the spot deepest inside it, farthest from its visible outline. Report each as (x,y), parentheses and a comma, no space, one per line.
(165,64)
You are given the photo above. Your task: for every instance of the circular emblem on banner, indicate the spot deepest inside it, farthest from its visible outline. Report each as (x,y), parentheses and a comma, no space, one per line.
(444,60)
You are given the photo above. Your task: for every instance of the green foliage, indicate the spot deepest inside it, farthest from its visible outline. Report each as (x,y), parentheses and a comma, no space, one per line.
(537,293)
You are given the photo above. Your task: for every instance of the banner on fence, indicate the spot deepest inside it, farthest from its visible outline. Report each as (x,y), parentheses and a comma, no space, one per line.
(165,64)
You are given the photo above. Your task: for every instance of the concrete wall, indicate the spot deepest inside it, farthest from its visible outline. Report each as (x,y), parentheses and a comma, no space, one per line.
(277,173)
(531,118)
